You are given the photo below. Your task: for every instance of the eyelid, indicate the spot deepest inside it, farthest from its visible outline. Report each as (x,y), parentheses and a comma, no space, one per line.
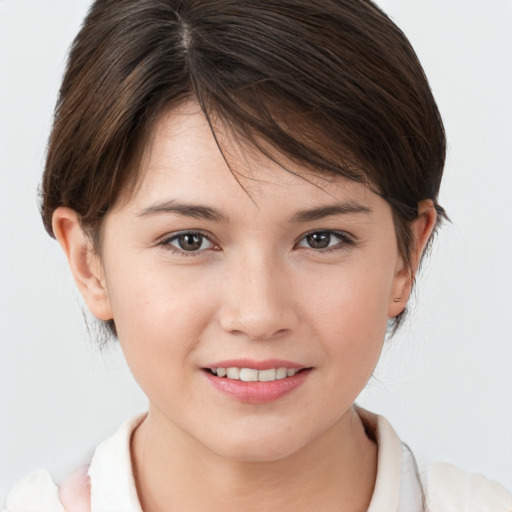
(166,240)
(346,239)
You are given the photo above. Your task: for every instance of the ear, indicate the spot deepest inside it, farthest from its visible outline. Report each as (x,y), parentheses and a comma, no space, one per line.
(421,229)
(85,265)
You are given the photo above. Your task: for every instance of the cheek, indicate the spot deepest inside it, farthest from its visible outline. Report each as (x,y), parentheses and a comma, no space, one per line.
(352,302)
(350,316)
(160,318)
(158,308)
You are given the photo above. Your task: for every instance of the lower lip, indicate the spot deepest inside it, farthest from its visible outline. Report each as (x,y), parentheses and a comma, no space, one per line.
(258,392)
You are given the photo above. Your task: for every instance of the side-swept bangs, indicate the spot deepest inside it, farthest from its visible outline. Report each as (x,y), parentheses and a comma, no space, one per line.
(334,86)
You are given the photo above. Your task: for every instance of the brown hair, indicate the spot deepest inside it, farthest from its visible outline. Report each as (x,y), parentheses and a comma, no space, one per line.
(333,85)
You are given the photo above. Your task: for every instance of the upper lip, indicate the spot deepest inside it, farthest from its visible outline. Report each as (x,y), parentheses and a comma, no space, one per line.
(266,364)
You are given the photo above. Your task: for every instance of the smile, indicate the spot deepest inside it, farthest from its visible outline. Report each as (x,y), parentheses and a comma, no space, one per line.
(253,375)
(256,381)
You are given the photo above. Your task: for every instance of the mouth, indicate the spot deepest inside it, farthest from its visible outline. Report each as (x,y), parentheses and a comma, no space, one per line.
(254,375)
(256,382)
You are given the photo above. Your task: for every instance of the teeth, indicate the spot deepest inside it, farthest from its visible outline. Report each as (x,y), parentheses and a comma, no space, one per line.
(267,375)
(233,373)
(248,375)
(281,373)
(252,375)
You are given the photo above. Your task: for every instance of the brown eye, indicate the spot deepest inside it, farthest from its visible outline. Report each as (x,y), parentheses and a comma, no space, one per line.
(188,242)
(319,240)
(323,240)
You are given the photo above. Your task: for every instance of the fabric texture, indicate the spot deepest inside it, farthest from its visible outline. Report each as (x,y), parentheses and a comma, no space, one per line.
(397,487)
(468,493)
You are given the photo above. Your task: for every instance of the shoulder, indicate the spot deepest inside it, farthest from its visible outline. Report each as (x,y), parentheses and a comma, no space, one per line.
(38,493)
(35,493)
(92,482)
(449,489)
(402,485)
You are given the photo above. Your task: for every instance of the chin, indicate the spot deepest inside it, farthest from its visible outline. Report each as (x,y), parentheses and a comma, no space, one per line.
(257,446)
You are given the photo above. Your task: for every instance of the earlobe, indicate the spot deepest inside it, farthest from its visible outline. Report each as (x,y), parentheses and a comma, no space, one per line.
(85,265)
(421,230)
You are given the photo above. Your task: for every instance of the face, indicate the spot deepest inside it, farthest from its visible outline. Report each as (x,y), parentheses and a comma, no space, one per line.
(292,280)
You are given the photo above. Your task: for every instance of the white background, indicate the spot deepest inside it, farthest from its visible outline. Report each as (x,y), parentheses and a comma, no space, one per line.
(445,382)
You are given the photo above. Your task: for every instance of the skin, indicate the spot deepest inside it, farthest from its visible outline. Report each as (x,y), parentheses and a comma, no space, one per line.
(255,288)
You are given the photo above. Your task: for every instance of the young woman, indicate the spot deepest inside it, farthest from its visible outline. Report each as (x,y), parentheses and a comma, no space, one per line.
(244,192)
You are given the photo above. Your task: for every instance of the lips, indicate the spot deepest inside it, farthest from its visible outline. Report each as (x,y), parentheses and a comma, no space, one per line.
(256,381)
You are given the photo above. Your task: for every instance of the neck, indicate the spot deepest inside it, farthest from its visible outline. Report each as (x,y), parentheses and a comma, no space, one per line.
(337,472)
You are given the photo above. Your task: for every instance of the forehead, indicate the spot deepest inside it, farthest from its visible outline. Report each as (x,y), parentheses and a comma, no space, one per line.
(188,158)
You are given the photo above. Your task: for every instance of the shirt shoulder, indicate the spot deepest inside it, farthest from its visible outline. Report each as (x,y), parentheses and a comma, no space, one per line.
(106,481)
(35,493)
(449,489)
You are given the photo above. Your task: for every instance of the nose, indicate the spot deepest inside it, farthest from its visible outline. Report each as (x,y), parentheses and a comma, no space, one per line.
(258,299)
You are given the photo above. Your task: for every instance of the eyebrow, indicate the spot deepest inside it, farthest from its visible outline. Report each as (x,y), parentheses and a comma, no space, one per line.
(327,211)
(184,209)
(211,214)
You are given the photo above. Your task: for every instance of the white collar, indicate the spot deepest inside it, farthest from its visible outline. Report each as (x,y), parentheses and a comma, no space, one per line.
(396,487)
(112,483)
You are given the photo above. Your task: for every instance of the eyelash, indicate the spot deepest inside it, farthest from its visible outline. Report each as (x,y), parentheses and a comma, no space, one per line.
(166,243)
(344,241)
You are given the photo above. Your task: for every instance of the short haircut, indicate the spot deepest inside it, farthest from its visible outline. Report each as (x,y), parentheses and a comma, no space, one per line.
(333,85)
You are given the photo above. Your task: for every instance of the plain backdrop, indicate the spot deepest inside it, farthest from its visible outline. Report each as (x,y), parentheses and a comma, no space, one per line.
(444,382)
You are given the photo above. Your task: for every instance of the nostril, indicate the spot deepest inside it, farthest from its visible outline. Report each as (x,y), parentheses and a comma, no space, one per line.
(259,318)
(265,335)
